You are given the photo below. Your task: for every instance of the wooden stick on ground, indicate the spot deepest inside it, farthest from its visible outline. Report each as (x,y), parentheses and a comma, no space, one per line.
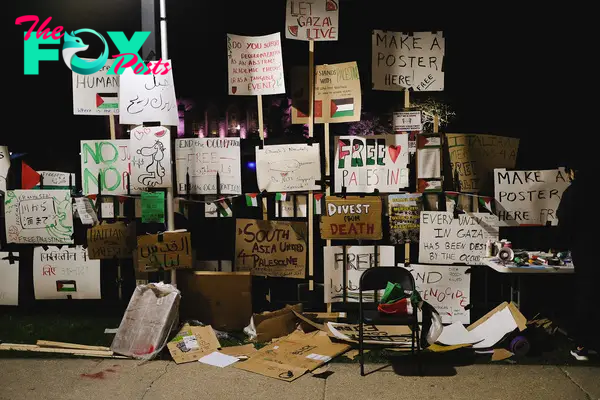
(35,349)
(62,345)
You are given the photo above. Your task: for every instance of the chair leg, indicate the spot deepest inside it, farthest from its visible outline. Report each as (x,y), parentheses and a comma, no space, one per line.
(419,366)
(360,349)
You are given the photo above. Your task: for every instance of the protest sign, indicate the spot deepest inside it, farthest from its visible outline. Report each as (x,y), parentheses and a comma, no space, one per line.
(358,259)
(97,93)
(288,167)
(396,335)
(151,157)
(316,20)
(168,250)
(529,197)
(39,216)
(107,241)
(255,65)
(85,211)
(110,160)
(4,167)
(474,157)
(65,273)
(401,61)
(148,98)
(404,212)
(448,240)
(293,207)
(153,207)
(202,159)
(352,217)
(9,279)
(56,180)
(363,164)
(407,121)
(271,248)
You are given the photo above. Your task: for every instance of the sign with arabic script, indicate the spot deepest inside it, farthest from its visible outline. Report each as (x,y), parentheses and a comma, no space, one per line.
(169,250)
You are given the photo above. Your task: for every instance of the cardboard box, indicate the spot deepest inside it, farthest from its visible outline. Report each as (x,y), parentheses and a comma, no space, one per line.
(192,343)
(275,324)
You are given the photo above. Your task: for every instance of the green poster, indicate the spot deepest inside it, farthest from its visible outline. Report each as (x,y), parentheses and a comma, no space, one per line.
(153,207)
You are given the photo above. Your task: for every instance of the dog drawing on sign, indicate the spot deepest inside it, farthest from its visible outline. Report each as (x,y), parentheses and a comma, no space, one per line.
(155,169)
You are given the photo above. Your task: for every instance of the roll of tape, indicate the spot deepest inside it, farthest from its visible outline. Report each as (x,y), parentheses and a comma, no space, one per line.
(506,254)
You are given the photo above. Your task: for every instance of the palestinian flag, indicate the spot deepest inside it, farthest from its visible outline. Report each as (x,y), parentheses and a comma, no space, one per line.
(318,203)
(224,207)
(252,199)
(66,286)
(487,203)
(107,100)
(280,196)
(342,108)
(451,201)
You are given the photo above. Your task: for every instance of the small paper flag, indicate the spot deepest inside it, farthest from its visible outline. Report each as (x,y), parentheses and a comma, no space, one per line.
(281,197)
(223,208)
(252,200)
(486,202)
(29,177)
(318,203)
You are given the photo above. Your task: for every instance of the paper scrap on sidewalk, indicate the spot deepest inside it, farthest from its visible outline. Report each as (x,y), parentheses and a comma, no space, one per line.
(455,334)
(239,351)
(192,343)
(217,359)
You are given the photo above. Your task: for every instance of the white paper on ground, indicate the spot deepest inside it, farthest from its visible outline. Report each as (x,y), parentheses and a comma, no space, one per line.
(218,359)
(455,334)
(495,328)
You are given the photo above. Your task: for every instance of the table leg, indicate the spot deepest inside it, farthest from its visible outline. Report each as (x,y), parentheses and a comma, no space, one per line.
(485,288)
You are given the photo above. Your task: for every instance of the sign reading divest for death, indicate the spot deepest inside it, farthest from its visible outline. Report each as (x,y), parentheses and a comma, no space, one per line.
(401,61)
(97,93)
(271,248)
(448,240)
(352,217)
(312,20)
(529,197)
(255,65)
(363,164)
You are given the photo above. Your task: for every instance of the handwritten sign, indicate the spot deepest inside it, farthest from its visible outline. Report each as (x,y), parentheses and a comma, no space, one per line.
(9,279)
(255,65)
(474,157)
(529,197)
(401,61)
(4,167)
(448,240)
(408,121)
(293,207)
(202,159)
(352,218)
(288,167)
(150,157)
(56,180)
(147,98)
(97,93)
(337,94)
(110,160)
(358,260)
(39,216)
(271,248)
(447,288)
(404,212)
(109,241)
(153,207)
(65,273)
(170,250)
(363,164)
(316,20)
(85,211)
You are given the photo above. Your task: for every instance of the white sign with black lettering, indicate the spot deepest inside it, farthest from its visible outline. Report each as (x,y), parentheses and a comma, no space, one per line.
(407,121)
(9,279)
(447,240)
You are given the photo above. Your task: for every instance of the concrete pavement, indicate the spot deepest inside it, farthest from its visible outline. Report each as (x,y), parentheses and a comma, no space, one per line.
(91,379)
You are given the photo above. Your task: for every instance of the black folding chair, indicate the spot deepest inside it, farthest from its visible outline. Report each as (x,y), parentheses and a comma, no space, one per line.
(376,278)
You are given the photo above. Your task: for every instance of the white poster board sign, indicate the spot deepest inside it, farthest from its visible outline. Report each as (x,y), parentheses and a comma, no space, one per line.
(150,148)
(407,121)
(316,20)
(56,180)
(203,159)
(65,272)
(9,279)
(255,65)
(4,166)
(363,164)
(408,60)
(97,93)
(358,260)
(148,98)
(110,159)
(447,240)
(288,167)
(447,288)
(287,207)
(39,216)
(529,197)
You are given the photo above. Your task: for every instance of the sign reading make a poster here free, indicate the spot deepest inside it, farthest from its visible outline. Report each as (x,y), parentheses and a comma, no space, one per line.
(316,20)
(352,217)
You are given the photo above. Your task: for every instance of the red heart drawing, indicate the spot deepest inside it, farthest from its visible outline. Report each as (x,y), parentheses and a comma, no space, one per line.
(233,89)
(394,152)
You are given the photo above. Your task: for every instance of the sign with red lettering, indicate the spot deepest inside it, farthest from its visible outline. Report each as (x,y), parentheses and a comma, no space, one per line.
(271,248)
(255,65)
(352,218)
(316,20)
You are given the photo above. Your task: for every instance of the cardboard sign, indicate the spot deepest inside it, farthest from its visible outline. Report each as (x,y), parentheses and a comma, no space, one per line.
(316,20)
(363,164)
(288,167)
(448,240)
(337,94)
(170,250)
(373,334)
(148,98)
(151,157)
(97,93)
(407,121)
(405,213)
(9,279)
(529,197)
(192,343)
(476,156)
(39,216)
(202,159)
(352,218)
(4,167)
(108,159)
(65,273)
(109,241)
(255,65)
(271,248)
(402,61)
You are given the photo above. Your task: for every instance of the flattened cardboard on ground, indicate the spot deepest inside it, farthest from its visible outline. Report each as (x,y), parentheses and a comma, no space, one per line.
(293,356)
(274,324)
(168,250)
(520,322)
(501,354)
(192,343)
(373,334)
(519,318)
(239,351)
